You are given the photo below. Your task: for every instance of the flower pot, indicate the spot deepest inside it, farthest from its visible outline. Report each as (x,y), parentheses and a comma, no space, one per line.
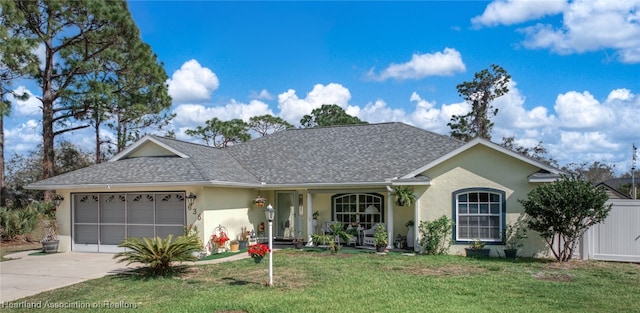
(381,248)
(510,253)
(477,253)
(243,244)
(234,247)
(50,246)
(257,259)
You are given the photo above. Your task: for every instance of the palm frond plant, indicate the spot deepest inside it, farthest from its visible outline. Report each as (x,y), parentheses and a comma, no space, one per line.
(337,230)
(404,195)
(159,253)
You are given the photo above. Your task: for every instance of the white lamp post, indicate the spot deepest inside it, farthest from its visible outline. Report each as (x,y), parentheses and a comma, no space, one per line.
(270,213)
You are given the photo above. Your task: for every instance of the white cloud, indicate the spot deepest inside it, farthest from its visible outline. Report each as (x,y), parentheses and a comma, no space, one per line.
(22,138)
(428,116)
(29,107)
(579,129)
(590,26)
(292,108)
(445,63)
(192,83)
(378,112)
(192,115)
(582,111)
(262,95)
(513,114)
(40,52)
(622,94)
(509,12)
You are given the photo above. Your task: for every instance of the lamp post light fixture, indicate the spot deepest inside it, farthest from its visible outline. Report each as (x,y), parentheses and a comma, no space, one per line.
(270,213)
(57,199)
(190,199)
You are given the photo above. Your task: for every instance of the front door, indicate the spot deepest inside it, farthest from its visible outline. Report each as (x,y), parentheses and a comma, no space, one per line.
(288,211)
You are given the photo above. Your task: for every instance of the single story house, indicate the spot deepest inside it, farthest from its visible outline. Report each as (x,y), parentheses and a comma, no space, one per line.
(345,173)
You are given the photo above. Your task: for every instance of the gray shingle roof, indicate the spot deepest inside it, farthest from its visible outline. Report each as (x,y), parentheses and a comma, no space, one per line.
(342,154)
(331,155)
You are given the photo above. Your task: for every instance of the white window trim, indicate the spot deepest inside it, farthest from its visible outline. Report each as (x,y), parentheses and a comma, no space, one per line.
(502,214)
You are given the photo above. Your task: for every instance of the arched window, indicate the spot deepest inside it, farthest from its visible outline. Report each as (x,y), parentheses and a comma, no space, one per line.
(365,209)
(479,214)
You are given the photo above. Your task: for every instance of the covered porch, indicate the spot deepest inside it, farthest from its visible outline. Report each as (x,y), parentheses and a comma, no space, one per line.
(303,213)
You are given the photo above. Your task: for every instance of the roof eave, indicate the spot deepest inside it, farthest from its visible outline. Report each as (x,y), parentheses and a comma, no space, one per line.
(140,185)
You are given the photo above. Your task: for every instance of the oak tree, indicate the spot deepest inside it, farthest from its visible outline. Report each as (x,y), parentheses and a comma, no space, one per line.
(328,115)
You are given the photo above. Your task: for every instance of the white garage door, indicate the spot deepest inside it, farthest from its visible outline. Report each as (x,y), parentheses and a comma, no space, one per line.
(102,220)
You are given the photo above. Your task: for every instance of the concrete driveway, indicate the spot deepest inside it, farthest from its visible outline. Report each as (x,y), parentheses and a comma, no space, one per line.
(31,274)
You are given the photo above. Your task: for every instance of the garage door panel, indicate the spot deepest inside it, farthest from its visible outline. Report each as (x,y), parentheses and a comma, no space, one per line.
(86,234)
(86,209)
(164,231)
(170,209)
(140,231)
(140,208)
(112,208)
(111,234)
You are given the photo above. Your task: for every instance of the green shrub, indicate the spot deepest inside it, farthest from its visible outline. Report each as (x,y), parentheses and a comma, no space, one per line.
(20,222)
(159,253)
(435,235)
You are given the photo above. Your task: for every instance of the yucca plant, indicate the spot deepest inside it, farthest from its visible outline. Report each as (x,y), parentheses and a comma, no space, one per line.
(159,253)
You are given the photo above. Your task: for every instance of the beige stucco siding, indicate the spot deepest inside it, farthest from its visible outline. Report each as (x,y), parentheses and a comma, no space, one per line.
(151,150)
(478,167)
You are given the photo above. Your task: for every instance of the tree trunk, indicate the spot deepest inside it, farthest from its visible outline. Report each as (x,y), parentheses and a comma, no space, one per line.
(3,183)
(48,97)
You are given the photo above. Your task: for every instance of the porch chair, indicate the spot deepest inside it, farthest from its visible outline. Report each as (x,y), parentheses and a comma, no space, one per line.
(367,235)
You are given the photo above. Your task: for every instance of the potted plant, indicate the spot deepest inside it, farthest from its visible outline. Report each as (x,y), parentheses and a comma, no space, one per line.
(258,251)
(50,240)
(50,225)
(259,201)
(410,236)
(234,245)
(513,239)
(298,243)
(244,237)
(192,231)
(477,249)
(381,238)
(404,195)
(219,241)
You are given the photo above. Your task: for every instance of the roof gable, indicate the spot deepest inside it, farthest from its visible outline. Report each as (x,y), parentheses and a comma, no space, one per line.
(488,144)
(148,146)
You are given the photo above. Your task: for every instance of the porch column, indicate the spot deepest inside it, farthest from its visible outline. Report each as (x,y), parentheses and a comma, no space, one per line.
(390,220)
(309,218)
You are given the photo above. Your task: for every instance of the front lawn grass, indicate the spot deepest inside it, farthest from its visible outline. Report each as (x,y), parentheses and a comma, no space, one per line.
(365,282)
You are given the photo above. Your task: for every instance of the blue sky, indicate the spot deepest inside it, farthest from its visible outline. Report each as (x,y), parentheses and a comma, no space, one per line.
(575,66)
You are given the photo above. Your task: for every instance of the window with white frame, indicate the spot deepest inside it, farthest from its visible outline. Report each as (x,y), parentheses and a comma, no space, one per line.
(365,209)
(479,214)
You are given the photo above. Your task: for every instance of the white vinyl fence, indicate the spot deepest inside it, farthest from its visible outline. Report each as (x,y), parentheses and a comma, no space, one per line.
(618,237)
